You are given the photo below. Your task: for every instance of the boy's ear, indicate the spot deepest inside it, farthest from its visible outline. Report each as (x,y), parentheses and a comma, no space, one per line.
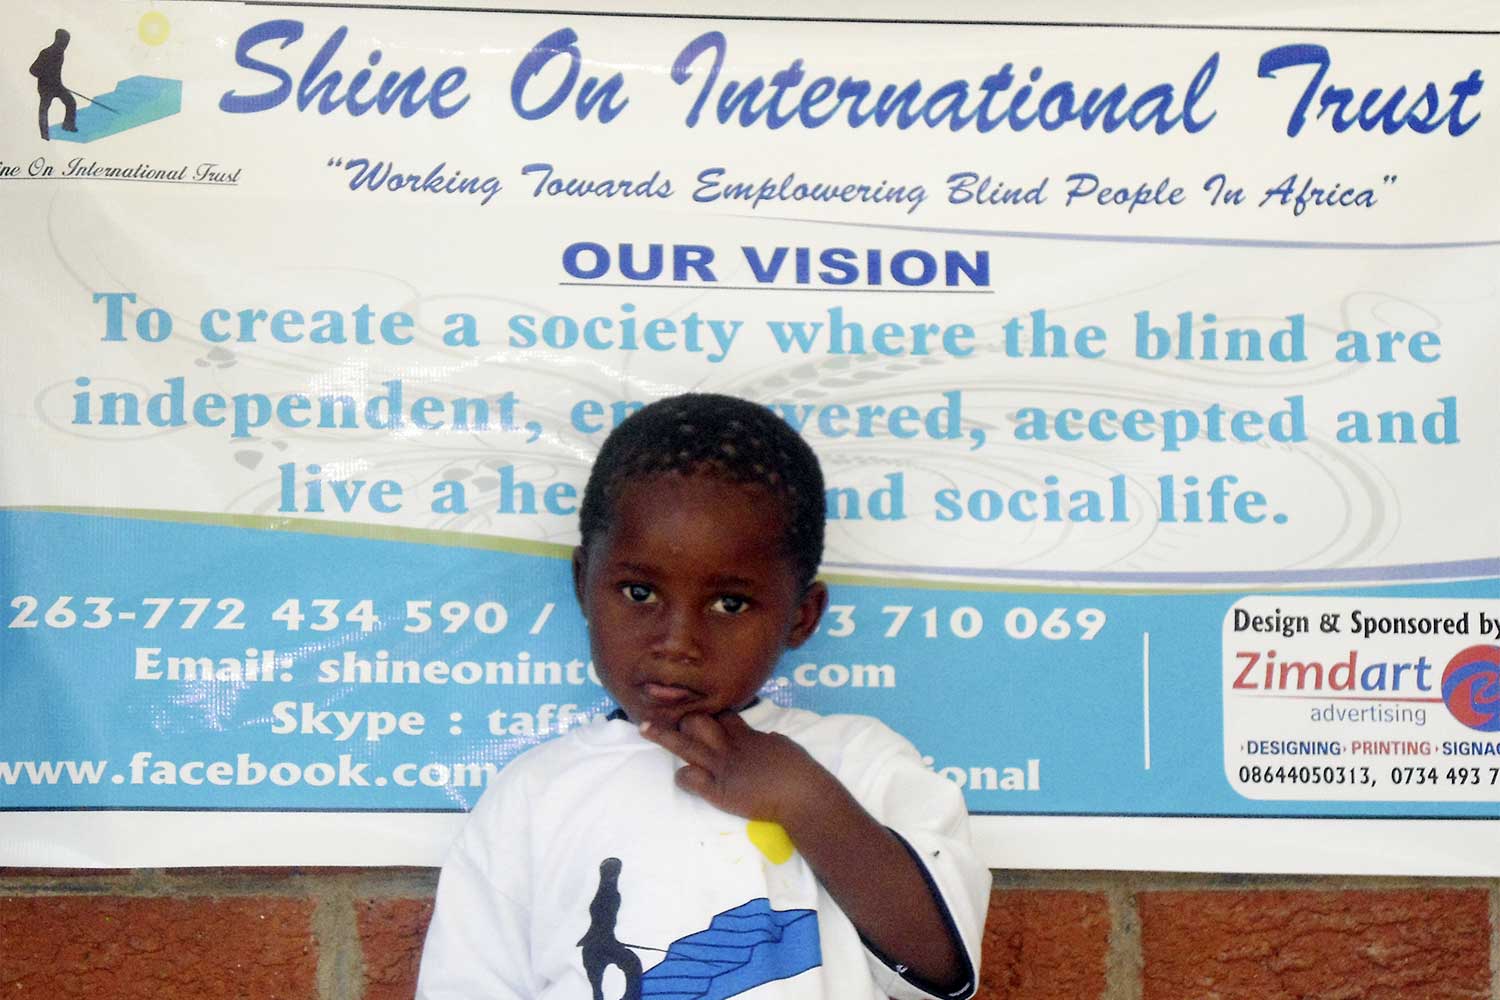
(809,613)
(580,570)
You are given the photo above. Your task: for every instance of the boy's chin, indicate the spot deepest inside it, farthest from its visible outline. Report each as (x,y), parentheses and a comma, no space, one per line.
(671,716)
(668,717)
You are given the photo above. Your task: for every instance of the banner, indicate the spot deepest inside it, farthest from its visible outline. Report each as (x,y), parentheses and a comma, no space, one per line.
(1148,365)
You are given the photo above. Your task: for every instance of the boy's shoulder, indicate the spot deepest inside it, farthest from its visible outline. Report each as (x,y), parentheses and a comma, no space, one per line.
(792,721)
(597,735)
(837,741)
(531,775)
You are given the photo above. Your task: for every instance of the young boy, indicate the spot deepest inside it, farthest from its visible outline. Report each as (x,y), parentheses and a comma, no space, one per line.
(704,842)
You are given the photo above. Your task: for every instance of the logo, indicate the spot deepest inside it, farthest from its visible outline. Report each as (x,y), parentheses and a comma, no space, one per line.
(1471,688)
(135,101)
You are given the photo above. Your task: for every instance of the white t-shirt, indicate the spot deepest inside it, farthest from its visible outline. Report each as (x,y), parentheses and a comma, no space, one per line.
(584,852)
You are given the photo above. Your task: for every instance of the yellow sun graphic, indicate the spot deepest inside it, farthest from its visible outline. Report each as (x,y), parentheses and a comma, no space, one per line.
(153,27)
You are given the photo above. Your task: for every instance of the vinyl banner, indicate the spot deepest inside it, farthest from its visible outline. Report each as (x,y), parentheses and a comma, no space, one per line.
(1149,366)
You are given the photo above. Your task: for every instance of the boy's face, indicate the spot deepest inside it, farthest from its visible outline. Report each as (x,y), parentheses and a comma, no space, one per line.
(690,596)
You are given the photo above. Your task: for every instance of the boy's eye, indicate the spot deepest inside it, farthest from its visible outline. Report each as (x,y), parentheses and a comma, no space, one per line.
(731,604)
(637,593)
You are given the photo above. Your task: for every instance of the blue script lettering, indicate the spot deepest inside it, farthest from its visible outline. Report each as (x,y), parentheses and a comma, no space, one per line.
(383,176)
(785,98)
(552,186)
(593,94)
(1424,113)
(402,92)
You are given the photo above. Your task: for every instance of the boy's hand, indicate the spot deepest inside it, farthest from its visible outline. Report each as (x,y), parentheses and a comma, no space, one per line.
(864,866)
(763,776)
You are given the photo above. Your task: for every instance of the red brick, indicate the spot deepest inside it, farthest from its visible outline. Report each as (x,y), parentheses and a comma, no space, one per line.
(118,948)
(63,872)
(391,932)
(1045,946)
(1347,945)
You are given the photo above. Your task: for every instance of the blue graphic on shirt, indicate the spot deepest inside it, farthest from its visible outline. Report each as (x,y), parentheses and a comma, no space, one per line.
(742,948)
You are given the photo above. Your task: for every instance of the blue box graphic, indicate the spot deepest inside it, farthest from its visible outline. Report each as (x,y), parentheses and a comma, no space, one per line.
(137,100)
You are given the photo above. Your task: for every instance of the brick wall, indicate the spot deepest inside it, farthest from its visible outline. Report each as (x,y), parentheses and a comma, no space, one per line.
(336,934)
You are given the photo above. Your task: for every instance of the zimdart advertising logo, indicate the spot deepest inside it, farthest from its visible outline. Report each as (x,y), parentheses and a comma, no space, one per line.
(1395,665)
(134,101)
(1469,685)
(1471,688)
(1352,677)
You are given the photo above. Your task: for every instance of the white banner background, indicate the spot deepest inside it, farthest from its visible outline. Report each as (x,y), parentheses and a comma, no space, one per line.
(278,221)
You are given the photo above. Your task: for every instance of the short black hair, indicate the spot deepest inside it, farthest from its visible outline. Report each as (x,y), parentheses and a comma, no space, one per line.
(724,437)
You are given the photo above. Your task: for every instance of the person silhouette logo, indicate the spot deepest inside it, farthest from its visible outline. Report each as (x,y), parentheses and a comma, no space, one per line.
(49,86)
(601,948)
(135,100)
(740,949)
